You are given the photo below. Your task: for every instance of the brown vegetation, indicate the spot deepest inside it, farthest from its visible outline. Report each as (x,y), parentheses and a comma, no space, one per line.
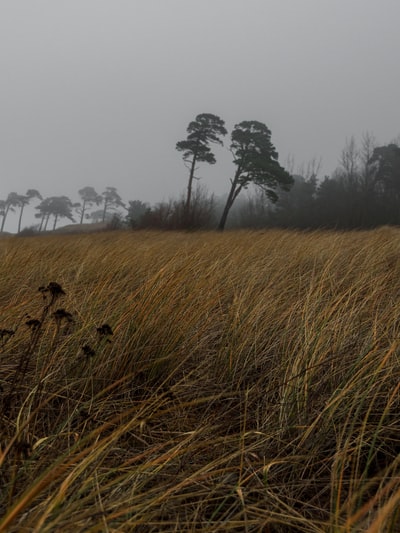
(214,382)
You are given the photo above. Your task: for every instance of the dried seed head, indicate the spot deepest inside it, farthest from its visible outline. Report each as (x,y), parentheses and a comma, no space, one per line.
(53,288)
(104,330)
(34,324)
(6,333)
(88,350)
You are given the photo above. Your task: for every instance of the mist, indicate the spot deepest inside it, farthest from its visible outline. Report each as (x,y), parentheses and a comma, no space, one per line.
(98,92)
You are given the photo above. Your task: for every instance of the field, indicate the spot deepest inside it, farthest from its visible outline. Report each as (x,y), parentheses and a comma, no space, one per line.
(243,381)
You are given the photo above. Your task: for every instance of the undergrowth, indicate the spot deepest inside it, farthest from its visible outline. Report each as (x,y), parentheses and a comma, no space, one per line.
(216,382)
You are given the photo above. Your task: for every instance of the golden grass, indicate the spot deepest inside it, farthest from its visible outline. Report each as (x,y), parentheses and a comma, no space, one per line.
(252,383)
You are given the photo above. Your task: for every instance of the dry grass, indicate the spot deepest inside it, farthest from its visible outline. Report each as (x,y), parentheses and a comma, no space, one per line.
(252,383)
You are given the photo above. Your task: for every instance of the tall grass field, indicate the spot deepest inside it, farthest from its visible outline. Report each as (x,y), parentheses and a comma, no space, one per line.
(216,382)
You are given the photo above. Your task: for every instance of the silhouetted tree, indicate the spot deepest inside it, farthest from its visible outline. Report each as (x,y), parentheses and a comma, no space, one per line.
(204,130)
(2,209)
(61,208)
(296,208)
(386,160)
(12,201)
(24,200)
(43,213)
(368,180)
(332,204)
(89,197)
(256,163)
(364,191)
(349,162)
(112,200)
(136,211)
(56,206)
(346,189)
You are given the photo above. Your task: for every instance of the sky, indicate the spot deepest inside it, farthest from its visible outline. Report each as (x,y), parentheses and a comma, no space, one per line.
(98,92)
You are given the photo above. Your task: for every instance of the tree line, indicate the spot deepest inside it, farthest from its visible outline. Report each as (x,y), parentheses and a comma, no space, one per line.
(59,207)
(363,192)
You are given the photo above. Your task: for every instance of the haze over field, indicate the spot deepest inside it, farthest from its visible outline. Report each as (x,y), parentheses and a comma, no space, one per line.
(99,92)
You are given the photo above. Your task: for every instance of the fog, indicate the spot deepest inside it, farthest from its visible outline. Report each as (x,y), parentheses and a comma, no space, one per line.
(98,92)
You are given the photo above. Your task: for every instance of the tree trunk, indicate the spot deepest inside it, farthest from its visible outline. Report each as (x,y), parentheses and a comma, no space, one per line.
(83,211)
(55,221)
(190,182)
(20,217)
(233,194)
(105,209)
(4,218)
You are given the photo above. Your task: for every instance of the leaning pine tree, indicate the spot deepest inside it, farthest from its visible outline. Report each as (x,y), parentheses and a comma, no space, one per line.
(205,129)
(256,163)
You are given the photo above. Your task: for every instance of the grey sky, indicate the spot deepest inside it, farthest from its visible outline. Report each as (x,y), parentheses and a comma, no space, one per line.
(97,92)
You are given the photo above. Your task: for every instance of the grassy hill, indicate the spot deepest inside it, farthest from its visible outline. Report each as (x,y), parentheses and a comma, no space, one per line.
(246,381)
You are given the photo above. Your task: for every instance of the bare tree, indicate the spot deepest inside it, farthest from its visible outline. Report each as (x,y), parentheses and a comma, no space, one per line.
(367,169)
(350,161)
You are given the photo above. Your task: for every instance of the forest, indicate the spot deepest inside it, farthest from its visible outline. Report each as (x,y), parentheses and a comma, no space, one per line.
(362,192)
